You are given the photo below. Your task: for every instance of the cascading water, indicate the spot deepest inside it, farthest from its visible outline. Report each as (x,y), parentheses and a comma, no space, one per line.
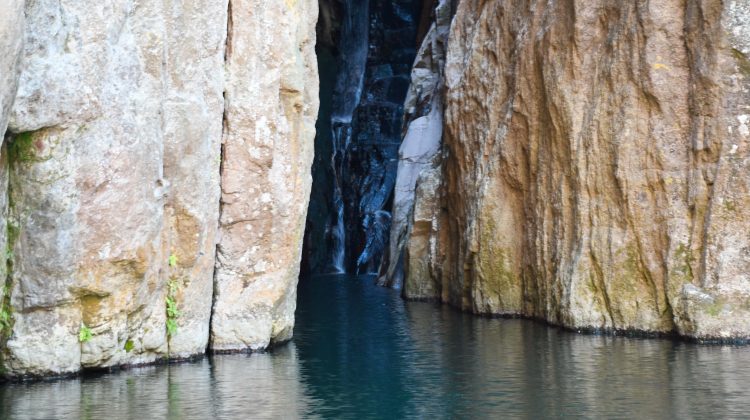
(336,231)
(346,94)
(365,52)
(372,156)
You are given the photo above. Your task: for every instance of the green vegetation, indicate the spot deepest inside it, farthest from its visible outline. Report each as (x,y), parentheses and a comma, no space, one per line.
(171,301)
(172,314)
(742,62)
(129,346)
(6,320)
(84,334)
(173,260)
(21,148)
(6,315)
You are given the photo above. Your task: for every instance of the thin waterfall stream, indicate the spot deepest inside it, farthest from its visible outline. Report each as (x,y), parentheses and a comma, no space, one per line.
(346,97)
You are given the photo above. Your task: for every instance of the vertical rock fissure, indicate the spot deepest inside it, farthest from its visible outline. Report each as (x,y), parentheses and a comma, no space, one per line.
(6,316)
(227,54)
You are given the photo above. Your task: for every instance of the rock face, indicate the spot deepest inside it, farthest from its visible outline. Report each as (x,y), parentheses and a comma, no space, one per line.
(271,107)
(113,175)
(597,166)
(419,156)
(11,41)
(115,178)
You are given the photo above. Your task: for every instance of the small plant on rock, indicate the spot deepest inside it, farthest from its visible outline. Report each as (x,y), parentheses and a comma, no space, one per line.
(5,321)
(6,318)
(171,301)
(172,314)
(84,334)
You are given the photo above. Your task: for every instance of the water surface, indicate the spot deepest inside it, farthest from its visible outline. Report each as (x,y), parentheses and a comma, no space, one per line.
(361,352)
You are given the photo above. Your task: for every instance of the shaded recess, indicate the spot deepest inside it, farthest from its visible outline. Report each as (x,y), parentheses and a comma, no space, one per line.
(365,53)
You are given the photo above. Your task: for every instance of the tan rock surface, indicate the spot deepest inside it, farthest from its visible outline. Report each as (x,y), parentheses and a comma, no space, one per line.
(597,164)
(271,107)
(419,151)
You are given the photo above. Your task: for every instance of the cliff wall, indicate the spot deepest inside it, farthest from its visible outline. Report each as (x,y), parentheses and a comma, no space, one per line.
(595,167)
(156,166)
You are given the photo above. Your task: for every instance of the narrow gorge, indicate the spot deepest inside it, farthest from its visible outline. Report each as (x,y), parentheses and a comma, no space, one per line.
(169,168)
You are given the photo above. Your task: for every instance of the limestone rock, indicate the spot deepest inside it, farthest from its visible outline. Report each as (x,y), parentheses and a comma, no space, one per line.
(116,183)
(114,168)
(11,41)
(596,165)
(271,107)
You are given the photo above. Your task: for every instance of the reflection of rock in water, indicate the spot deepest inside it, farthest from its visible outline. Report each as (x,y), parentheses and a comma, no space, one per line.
(411,360)
(265,385)
(527,369)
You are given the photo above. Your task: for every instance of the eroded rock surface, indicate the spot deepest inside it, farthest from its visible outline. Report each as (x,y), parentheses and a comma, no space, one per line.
(11,41)
(597,166)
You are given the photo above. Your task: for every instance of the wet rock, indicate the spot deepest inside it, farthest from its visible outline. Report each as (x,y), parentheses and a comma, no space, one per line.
(359,136)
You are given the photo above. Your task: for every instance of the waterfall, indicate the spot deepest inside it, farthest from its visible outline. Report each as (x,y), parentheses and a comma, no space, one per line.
(346,96)
(341,136)
(367,50)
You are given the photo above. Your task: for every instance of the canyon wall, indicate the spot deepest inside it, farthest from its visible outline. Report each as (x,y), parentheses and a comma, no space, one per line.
(596,167)
(156,166)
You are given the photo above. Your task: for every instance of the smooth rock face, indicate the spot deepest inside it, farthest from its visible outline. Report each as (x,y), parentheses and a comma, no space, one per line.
(271,106)
(597,166)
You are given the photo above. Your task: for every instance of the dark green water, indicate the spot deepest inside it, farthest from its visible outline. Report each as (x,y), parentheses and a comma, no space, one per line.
(361,352)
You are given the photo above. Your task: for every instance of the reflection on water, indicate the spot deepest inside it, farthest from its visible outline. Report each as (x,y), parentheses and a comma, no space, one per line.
(269,386)
(359,351)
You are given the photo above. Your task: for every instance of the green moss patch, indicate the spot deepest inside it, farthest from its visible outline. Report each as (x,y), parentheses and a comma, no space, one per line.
(742,61)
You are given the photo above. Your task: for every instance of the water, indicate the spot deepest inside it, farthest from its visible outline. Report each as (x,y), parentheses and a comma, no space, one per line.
(346,96)
(361,352)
